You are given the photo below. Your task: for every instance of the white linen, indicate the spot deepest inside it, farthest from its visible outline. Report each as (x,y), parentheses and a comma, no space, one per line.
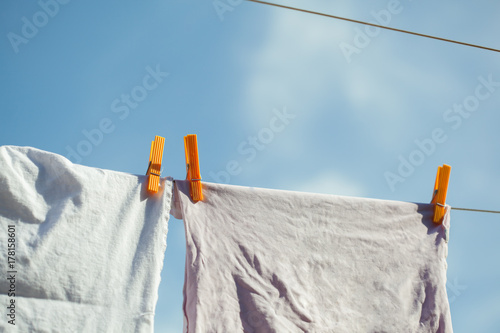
(261,260)
(89,245)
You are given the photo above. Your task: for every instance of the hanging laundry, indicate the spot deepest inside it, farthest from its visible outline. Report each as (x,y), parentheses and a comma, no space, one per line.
(261,260)
(87,245)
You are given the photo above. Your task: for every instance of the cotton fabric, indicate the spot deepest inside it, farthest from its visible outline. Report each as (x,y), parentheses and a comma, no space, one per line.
(89,245)
(261,260)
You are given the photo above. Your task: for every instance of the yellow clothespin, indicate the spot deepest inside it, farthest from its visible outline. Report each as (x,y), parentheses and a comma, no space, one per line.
(193,167)
(440,191)
(154,167)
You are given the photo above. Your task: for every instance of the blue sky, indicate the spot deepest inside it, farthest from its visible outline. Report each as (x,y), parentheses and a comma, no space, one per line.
(276,102)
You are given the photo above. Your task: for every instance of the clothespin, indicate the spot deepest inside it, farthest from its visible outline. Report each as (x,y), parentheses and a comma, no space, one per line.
(154,167)
(440,191)
(193,167)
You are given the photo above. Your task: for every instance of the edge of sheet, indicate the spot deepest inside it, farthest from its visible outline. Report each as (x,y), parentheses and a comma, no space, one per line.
(176,210)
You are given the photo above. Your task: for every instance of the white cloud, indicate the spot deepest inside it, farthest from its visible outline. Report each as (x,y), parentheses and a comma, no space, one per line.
(300,65)
(288,66)
(395,91)
(330,182)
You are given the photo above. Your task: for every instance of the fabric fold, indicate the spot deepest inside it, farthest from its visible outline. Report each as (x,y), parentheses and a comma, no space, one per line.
(89,245)
(261,260)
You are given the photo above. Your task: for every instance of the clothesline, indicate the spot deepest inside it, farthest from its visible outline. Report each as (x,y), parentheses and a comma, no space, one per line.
(376,25)
(477,210)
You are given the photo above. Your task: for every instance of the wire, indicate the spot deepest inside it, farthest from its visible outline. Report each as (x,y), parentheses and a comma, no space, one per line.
(477,210)
(466,209)
(375,25)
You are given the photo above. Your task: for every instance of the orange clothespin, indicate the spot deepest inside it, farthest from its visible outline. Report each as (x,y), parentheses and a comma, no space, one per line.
(193,167)
(440,191)
(154,167)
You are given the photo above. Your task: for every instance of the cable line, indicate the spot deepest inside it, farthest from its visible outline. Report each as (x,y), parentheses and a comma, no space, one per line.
(477,210)
(375,25)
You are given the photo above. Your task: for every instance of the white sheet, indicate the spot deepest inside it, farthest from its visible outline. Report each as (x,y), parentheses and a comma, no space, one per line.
(262,260)
(89,245)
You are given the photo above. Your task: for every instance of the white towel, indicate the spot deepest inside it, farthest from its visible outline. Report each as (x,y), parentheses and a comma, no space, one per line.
(89,246)
(262,260)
